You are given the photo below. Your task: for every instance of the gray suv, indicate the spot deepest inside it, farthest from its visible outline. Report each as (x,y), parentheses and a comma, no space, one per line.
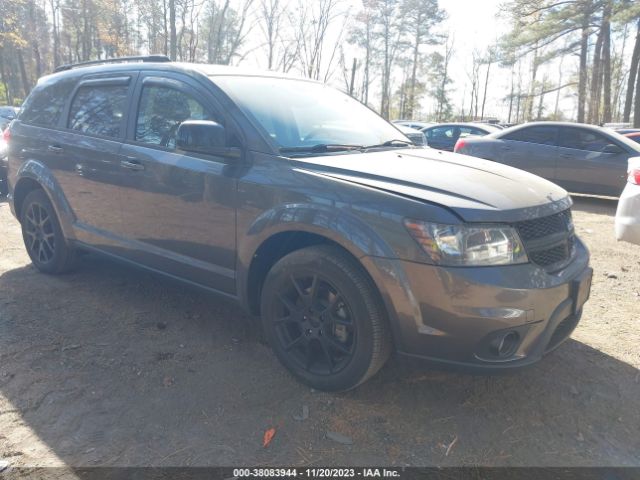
(344,241)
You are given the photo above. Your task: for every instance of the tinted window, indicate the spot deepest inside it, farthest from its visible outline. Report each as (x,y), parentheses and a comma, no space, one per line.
(584,140)
(99,109)
(541,135)
(160,113)
(452,132)
(45,104)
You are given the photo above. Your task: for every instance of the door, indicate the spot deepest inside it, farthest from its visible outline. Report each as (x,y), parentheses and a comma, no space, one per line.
(178,208)
(590,162)
(90,147)
(533,149)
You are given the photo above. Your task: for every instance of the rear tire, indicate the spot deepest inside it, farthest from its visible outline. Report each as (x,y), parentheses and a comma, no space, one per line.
(324,319)
(42,235)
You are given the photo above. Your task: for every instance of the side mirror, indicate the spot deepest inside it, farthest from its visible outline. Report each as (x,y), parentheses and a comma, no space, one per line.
(611,148)
(204,136)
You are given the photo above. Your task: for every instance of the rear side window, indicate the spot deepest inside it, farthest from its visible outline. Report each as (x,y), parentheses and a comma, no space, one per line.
(99,110)
(539,135)
(583,140)
(46,103)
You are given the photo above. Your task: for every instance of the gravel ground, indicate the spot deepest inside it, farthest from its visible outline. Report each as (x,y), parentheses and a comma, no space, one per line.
(116,367)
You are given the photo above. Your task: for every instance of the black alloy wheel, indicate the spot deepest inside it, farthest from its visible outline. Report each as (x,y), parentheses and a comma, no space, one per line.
(42,235)
(324,318)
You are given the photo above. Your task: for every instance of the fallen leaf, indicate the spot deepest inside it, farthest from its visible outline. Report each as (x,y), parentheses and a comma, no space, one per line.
(338,437)
(268,436)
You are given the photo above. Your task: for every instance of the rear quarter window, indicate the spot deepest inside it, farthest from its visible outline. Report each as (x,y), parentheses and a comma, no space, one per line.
(45,104)
(540,135)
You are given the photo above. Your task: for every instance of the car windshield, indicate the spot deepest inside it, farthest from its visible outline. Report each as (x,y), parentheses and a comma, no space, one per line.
(302,116)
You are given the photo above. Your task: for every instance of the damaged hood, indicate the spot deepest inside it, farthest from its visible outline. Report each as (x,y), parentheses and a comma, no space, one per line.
(476,190)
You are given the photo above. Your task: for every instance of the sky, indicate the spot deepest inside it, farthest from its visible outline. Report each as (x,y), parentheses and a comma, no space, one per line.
(475,25)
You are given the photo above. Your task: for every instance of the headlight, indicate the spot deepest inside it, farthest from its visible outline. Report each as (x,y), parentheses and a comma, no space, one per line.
(466,245)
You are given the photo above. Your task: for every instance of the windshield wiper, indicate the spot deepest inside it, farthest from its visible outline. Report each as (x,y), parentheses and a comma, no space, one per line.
(321,147)
(391,143)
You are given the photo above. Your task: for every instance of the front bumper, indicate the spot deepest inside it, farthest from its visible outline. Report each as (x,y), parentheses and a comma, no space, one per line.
(458,316)
(628,214)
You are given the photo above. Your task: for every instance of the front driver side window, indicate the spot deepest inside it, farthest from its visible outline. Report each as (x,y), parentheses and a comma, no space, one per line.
(161,112)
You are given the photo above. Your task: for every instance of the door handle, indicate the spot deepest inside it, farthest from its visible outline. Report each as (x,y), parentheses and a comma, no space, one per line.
(55,149)
(132,164)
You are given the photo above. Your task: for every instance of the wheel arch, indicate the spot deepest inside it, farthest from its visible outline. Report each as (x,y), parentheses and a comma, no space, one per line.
(286,228)
(34,175)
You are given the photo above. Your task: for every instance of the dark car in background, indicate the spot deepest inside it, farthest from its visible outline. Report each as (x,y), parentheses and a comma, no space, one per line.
(6,115)
(4,163)
(416,136)
(580,158)
(343,240)
(444,136)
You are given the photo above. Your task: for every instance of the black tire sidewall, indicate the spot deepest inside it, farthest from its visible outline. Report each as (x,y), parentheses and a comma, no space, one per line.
(311,261)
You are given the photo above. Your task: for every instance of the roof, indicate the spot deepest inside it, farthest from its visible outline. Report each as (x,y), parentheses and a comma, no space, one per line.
(208,70)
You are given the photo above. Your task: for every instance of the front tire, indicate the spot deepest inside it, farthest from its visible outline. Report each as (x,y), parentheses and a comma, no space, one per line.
(324,319)
(42,235)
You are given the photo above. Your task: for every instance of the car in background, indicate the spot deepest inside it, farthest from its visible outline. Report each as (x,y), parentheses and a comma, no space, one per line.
(416,136)
(580,158)
(4,162)
(6,115)
(634,136)
(625,130)
(627,222)
(445,135)
(413,124)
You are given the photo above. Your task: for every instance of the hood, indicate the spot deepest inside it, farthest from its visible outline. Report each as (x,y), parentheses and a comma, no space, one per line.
(476,190)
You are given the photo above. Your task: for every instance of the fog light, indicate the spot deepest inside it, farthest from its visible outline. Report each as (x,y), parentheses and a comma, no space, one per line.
(505,345)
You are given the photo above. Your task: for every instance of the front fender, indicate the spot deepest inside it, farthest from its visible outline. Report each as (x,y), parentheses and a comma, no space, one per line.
(346,230)
(337,225)
(33,170)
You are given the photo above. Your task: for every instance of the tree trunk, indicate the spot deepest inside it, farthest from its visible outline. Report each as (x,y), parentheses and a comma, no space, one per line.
(3,74)
(635,60)
(56,33)
(582,82)
(636,110)
(486,84)
(414,73)
(26,85)
(173,47)
(596,85)
(534,73)
(606,63)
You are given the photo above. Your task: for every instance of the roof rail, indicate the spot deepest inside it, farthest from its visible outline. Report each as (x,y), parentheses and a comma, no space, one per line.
(142,58)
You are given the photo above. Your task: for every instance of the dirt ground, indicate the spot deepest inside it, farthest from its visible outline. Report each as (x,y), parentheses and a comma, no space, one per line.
(113,366)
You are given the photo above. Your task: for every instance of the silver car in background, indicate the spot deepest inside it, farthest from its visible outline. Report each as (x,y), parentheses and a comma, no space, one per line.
(580,158)
(628,213)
